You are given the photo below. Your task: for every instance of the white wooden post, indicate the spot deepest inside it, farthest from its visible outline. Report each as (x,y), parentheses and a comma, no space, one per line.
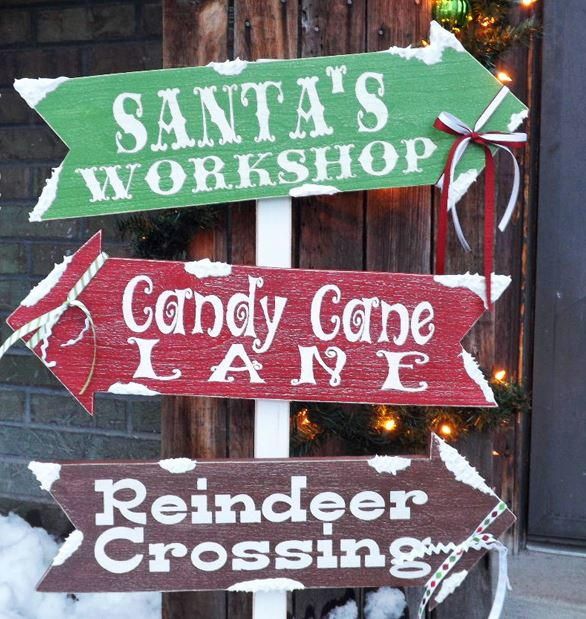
(271,421)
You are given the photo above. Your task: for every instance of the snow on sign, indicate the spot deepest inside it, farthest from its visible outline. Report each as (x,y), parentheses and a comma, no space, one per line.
(182,524)
(242,130)
(210,329)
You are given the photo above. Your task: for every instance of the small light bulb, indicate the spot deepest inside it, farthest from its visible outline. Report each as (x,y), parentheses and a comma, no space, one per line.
(445,429)
(500,375)
(389,425)
(485,22)
(528,3)
(504,77)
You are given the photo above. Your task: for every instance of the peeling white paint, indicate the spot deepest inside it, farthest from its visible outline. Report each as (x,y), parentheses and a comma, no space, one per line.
(229,67)
(47,473)
(450,584)
(460,467)
(207,268)
(473,370)
(33,91)
(71,544)
(517,120)
(389,464)
(47,196)
(131,389)
(476,283)
(178,465)
(310,189)
(267,584)
(439,40)
(44,287)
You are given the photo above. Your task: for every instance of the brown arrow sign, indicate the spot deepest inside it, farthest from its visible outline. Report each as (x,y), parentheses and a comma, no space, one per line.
(180,524)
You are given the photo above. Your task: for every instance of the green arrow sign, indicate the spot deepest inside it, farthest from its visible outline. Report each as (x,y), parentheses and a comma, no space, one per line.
(239,131)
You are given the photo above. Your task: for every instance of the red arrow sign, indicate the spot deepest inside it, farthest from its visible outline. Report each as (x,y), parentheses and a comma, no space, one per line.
(212,329)
(354,522)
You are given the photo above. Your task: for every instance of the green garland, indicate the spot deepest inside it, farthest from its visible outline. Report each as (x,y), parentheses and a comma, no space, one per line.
(366,429)
(488,32)
(166,235)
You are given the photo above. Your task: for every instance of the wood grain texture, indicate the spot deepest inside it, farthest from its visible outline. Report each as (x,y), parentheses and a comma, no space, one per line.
(301,501)
(195,33)
(474,598)
(261,30)
(515,247)
(398,221)
(330,230)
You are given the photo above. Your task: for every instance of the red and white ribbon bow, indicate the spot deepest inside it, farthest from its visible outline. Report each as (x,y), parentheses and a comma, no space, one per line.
(448,123)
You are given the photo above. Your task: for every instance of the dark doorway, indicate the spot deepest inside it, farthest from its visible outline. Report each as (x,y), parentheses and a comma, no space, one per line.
(557,509)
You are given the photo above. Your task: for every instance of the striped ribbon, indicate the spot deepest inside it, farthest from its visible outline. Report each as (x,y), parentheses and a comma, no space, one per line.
(448,123)
(479,540)
(42,327)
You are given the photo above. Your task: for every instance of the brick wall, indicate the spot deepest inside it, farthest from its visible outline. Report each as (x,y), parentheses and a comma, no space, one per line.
(38,419)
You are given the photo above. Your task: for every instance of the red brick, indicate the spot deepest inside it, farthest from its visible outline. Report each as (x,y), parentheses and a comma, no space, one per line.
(85,23)
(39,63)
(151,21)
(15,183)
(15,26)
(13,258)
(15,223)
(13,108)
(44,256)
(122,57)
(18,143)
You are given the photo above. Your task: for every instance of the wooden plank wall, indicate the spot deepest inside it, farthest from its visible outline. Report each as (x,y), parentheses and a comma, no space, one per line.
(387,230)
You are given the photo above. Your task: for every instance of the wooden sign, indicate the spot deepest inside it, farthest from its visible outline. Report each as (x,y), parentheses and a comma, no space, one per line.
(211,329)
(186,525)
(242,130)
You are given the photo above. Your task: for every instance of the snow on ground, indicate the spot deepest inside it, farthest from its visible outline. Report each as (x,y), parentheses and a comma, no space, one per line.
(25,554)
(384,603)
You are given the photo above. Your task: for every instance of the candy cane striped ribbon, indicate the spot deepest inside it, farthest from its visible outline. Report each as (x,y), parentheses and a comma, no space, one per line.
(477,541)
(448,123)
(42,326)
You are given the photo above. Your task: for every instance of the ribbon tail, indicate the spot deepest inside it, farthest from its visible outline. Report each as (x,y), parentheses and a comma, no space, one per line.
(502,582)
(442,233)
(514,193)
(90,322)
(489,214)
(458,228)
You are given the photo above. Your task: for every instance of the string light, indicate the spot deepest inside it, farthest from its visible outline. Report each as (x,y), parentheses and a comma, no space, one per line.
(503,77)
(528,3)
(446,425)
(446,430)
(486,22)
(500,376)
(386,421)
(368,429)
(305,426)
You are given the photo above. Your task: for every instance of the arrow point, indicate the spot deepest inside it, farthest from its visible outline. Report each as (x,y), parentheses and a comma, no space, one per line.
(475,373)
(86,400)
(33,91)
